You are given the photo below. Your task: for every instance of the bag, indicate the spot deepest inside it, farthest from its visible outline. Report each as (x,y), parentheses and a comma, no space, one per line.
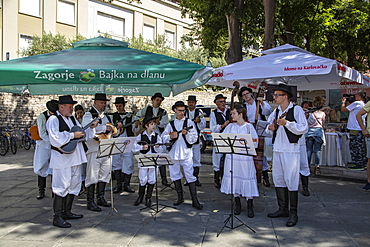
(34,133)
(354,132)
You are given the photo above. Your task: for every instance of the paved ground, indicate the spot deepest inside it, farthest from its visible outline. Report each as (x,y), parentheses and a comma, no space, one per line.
(336,214)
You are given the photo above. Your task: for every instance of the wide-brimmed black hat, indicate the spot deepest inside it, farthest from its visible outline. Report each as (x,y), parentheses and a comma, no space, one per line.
(120,100)
(245,89)
(192,98)
(219,96)
(285,88)
(157,95)
(179,104)
(147,119)
(66,99)
(52,105)
(101,96)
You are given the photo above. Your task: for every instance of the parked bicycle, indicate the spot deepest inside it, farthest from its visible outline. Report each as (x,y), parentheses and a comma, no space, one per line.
(27,141)
(7,140)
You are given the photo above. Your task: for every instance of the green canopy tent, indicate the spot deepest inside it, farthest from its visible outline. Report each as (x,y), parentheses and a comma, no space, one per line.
(101,65)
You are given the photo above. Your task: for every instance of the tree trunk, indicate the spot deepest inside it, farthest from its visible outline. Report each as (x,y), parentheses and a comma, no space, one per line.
(234,51)
(270,8)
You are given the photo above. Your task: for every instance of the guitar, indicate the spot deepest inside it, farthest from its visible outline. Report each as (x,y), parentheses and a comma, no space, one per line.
(200,116)
(70,147)
(143,143)
(172,141)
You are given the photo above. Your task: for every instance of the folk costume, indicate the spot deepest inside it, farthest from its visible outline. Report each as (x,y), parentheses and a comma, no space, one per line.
(217,118)
(286,157)
(66,167)
(147,175)
(98,169)
(150,111)
(41,158)
(123,164)
(182,156)
(244,171)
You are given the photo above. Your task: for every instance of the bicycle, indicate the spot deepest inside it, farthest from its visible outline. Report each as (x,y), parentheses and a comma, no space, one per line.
(6,140)
(27,141)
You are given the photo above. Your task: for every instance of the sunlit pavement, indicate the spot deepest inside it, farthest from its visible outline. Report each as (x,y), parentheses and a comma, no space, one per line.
(336,214)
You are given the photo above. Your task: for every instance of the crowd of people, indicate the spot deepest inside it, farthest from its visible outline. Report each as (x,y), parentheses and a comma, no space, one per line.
(69,146)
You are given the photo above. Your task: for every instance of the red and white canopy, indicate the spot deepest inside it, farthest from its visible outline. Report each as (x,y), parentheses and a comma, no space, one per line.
(291,65)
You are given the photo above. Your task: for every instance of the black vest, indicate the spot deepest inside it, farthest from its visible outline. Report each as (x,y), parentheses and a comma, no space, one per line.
(188,145)
(152,141)
(196,114)
(149,113)
(63,126)
(127,120)
(220,119)
(293,138)
(95,114)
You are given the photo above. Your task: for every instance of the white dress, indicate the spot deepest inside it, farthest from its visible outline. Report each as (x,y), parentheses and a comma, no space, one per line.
(244,171)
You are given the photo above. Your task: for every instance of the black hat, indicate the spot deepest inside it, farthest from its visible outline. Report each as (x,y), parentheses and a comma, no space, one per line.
(179,104)
(157,95)
(285,88)
(219,96)
(245,89)
(192,98)
(52,106)
(147,119)
(120,100)
(101,96)
(66,99)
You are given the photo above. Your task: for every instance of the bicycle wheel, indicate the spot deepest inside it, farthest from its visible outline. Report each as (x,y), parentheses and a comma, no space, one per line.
(13,145)
(4,146)
(26,142)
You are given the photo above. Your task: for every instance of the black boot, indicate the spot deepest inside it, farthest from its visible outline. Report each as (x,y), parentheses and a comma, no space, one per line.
(162,171)
(41,183)
(141,195)
(293,218)
(238,205)
(119,177)
(66,212)
(265,176)
(148,197)
(196,174)
(83,188)
(100,196)
(216,177)
(180,197)
(126,183)
(250,208)
(90,191)
(57,208)
(193,193)
(283,202)
(304,180)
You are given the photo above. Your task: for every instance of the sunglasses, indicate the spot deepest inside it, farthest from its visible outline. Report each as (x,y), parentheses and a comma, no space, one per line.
(222,101)
(277,95)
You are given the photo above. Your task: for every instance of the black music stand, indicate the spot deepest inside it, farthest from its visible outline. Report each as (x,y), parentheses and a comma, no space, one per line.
(155,160)
(233,144)
(107,148)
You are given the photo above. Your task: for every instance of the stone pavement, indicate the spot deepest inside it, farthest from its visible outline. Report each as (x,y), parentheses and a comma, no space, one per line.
(336,214)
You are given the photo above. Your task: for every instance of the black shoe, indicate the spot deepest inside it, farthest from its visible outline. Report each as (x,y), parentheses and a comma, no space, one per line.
(71,216)
(250,208)
(238,206)
(305,191)
(60,222)
(198,184)
(292,221)
(102,202)
(180,196)
(92,206)
(126,183)
(41,194)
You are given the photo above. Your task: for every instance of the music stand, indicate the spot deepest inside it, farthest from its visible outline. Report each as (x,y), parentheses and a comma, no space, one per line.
(107,148)
(155,159)
(241,144)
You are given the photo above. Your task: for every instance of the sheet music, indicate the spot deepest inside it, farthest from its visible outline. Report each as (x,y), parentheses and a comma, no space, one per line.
(243,143)
(115,146)
(147,159)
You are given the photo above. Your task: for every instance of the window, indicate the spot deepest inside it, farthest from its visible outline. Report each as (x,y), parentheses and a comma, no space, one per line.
(30,7)
(112,25)
(66,12)
(24,42)
(170,38)
(148,33)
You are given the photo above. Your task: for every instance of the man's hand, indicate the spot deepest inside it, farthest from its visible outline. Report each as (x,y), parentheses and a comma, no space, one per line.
(184,132)
(119,125)
(94,124)
(281,121)
(78,134)
(145,147)
(272,127)
(137,124)
(197,120)
(366,133)
(157,121)
(174,135)
(225,124)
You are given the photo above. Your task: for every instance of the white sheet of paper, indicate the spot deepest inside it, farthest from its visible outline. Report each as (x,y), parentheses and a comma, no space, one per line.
(243,143)
(146,159)
(116,146)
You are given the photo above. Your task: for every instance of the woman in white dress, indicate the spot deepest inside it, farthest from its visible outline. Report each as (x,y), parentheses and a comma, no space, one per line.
(244,171)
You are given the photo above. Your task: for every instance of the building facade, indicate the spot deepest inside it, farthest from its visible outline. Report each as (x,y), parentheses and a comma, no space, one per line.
(20,20)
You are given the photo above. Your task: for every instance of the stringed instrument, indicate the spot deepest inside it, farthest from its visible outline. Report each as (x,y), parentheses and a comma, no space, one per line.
(107,134)
(143,143)
(200,116)
(172,141)
(234,93)
(262,89)
(71,146)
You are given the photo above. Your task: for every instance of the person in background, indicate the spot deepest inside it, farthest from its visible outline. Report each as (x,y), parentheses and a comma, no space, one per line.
(79,113)
(41,159)
(365,131)
(357,139)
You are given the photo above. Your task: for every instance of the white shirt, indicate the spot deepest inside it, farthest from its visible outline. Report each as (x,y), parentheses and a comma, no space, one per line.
(162,124)
(251,111)
(58,139)
(299,127)
(160,149)
(179,150)
(41,126)
(216,128)
(191,115)
(124,133)
(354,108)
